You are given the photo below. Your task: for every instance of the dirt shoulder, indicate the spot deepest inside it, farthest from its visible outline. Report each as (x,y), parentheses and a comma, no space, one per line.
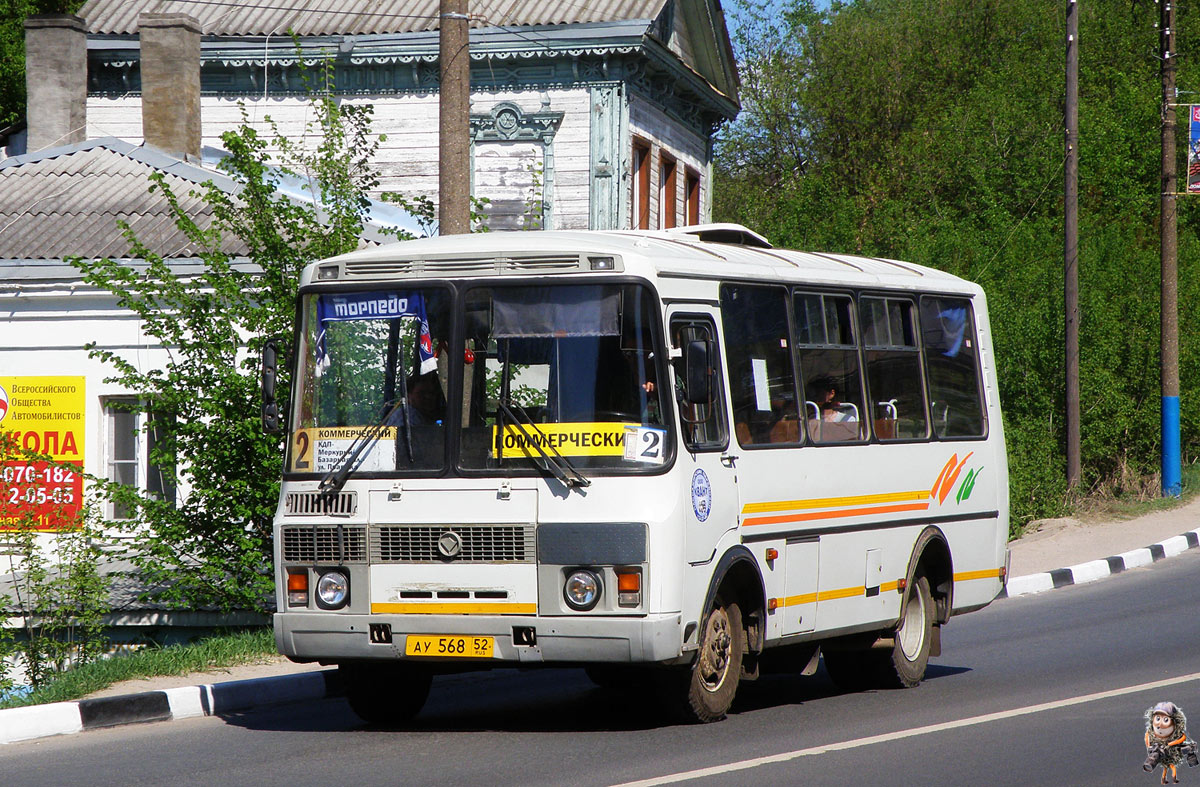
(1059,543)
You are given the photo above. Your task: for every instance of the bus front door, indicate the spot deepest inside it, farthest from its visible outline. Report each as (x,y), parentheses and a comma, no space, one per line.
(710,467)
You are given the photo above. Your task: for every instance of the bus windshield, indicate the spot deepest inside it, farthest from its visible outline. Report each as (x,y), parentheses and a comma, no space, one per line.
(573,370)
(553,378)
(372,359)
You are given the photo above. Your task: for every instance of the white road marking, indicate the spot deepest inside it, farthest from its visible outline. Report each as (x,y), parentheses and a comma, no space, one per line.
(742,765)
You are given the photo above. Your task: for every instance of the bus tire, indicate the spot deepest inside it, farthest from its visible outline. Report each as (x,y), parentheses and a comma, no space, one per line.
(900,666)
(909,656)
(387,694)
(714,676)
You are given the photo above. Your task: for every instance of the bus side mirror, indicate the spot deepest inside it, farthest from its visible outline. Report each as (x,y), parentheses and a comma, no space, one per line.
(270,404)
(698,373)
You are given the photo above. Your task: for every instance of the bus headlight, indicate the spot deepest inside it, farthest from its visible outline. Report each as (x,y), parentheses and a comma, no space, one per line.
(582,589)
(333,590)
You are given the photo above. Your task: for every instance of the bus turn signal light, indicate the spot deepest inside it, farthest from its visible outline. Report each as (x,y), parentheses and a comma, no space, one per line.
(297,585)
(629,588)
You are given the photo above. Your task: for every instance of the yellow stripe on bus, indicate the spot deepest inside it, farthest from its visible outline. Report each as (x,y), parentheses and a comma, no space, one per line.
(823,595)
(829,595)
(987,573)
(782,519)
(792,601)
(833,502)
(499,608)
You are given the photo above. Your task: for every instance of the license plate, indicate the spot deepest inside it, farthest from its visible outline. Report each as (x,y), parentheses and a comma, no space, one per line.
(444,646)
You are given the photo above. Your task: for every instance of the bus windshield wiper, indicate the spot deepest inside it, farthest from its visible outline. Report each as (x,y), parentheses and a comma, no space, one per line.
(554,463)
(335,479)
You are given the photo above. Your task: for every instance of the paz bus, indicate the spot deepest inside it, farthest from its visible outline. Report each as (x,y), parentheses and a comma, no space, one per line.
(682,457)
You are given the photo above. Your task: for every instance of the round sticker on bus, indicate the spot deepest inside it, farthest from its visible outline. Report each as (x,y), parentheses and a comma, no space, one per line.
(701,495)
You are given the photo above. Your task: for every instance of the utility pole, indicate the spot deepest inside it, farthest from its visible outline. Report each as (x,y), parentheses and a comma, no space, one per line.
(1071,245)
(454,119)
(1171,471)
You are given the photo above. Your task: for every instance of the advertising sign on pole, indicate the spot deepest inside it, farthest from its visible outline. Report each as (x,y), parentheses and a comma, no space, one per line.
(1193,159)
(42,416)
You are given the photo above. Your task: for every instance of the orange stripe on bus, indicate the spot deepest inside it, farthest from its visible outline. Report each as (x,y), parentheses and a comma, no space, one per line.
(814,515)
(949,484)
(953,460)
(833,502)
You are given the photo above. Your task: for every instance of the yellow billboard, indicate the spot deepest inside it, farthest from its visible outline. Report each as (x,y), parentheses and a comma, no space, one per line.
(42,432)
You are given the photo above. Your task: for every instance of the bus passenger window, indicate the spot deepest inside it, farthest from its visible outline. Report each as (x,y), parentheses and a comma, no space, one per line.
(952,362)
(834,410)
(758,351)
(893,362)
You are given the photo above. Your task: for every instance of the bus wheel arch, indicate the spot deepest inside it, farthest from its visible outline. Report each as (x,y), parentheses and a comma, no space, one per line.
(737,579)
(729,638)
(931,559)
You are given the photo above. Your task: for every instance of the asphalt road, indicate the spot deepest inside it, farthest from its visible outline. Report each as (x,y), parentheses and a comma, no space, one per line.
(1047,689)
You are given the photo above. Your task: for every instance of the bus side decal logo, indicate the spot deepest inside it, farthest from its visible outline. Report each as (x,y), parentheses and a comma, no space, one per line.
(701,495)
(945,480)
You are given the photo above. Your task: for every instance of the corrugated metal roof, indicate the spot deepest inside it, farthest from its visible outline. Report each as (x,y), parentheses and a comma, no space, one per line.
(67,201)
(60,205)
(353,17)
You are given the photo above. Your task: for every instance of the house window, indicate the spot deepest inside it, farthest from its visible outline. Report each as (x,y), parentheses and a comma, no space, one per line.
(692,196)
(666,192)
(641,184)
(128,455)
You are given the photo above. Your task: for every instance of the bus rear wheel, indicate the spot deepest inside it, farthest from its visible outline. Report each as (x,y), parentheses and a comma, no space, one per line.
(900,666)
(387,693)
(913,638)
(714,676)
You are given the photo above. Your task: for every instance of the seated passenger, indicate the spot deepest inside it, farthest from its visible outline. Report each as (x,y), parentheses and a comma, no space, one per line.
(825,394)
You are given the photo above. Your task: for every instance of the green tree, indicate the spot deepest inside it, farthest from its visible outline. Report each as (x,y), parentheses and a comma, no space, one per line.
(54,586)
(213,548)
(932,130)
(12,50)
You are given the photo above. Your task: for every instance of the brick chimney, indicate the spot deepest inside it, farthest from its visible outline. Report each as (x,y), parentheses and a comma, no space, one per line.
(170,66)
(55,80)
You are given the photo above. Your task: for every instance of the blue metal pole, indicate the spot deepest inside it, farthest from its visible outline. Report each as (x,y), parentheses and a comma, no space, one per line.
(1172,477)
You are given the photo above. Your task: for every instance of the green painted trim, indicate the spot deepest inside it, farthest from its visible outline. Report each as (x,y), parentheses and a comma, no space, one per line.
(654,72)
(604,154)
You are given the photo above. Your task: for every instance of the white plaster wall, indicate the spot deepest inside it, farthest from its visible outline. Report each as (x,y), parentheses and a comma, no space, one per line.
(406,160)
(45,334)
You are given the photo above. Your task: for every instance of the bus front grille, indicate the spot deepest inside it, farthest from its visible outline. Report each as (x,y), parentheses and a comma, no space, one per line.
(307,544)
(474,544)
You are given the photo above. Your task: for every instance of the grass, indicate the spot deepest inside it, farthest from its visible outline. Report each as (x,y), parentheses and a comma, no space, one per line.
(223,650)
(1105,507)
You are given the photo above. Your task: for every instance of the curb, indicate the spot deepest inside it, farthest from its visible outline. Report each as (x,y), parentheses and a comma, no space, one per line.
(65,718)
(1099,569)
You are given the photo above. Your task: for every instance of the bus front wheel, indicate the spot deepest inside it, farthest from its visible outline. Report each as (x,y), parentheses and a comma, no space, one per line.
(385,693)
(714,676)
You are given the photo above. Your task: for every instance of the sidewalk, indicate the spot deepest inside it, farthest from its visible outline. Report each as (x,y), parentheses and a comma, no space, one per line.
(1067,551)
(1058,553)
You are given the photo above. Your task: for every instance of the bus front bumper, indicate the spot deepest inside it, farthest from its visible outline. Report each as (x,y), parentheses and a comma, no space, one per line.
(333,637)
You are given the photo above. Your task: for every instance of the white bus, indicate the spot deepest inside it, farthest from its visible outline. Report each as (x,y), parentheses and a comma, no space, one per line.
(680,455)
